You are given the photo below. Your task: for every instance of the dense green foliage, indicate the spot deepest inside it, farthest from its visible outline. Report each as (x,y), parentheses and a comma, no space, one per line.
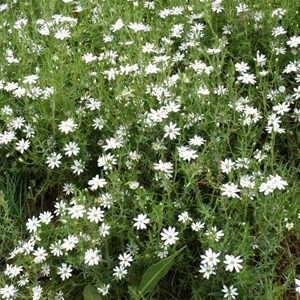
(132,129)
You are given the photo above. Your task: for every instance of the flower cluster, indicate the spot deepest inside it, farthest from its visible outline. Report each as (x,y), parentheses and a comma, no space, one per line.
(138,129)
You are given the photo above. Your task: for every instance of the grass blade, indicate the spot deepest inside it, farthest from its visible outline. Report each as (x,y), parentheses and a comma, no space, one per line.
(90,293)
(156,272)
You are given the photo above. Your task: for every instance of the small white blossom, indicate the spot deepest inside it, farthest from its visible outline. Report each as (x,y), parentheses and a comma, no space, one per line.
(53,161)
(65,271)
(92,257)
(229,293)
(141,221)
(169,236)
(233,263)
(97,182)
(184,217)
(125,260)
(67,126)
(210,258)
(230,190)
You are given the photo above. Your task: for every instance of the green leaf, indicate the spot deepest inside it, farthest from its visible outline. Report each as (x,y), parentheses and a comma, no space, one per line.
(90,293)
(156,272)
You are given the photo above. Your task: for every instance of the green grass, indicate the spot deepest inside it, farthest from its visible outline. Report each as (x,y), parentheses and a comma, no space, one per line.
(114,77)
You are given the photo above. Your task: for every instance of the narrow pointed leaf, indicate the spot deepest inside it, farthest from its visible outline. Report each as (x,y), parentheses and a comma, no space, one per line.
(90,293)
(156,272)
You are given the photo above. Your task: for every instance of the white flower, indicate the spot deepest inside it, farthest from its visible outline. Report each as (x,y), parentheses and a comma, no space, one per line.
(45,217)
(45,270)
(172,106)
(8,292)
(125,260)
(97,182)
(271,184)
(215,233)
(56,248)
(71,149)
(104,290)
(166,168)
(233,263)
(210,258)
(241,7)
(89,57)
(40,255)
(13,271)
(230,190)
(149,48)
(296,95)
(157,116)
(37,292)
(169,236)
(171,131)
(278,31)
(65,271)
(227,165)
(242,67)
(107,161)
(28,247)
(196,141)
(117,26)
(70,242)
(242,162)
(6,137)
(91,257)
(260,59)
(31,79)
(68,188)
(104,229)
(33,224)
(278,182)
(207,270)
(247,78)
(184,217)
(140,221)
(217,6)
(77,167)
(23,280)
(132,248)
(67,126)
(95,214)
(113,143)
(282,108)
(230,292)
(197,226)
(22,145)
(53,161)
(60,208)
(289,226)
(294,41)
(93,104)
(186,153)
(163,252)
(177,30)
(266,187)
(76,211)
(111,73)
(62,34)
(98,123)
(133,185)
(59,295)
(297,283)
(152,69)
(139,27)
(119,272)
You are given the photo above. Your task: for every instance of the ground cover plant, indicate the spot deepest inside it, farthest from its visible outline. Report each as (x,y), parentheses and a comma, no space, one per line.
(149,149)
